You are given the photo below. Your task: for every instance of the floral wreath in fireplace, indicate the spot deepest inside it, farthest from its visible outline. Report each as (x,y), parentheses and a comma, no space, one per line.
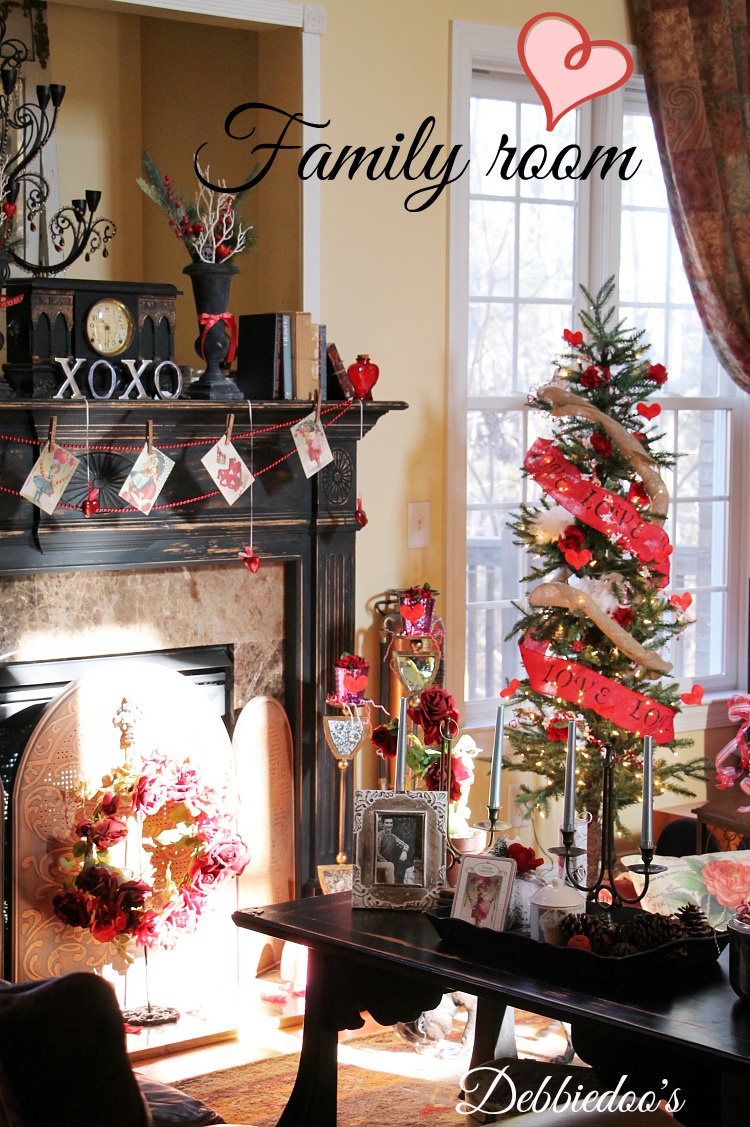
(167,812)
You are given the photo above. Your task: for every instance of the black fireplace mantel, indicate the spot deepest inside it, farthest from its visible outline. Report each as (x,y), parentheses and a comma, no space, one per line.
(309,526)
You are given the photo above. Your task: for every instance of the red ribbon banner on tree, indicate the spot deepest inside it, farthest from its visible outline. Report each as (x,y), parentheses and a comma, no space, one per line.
(577,684)
(208,320)
(597,507)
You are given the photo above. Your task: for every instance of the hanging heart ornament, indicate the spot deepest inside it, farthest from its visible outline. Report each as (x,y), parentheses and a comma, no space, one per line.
(90,504)
(249,558)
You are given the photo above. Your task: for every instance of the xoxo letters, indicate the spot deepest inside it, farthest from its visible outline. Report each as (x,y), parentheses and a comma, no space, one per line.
(103,380)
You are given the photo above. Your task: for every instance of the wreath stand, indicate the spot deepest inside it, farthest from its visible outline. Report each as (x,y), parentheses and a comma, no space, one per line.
(150,1014)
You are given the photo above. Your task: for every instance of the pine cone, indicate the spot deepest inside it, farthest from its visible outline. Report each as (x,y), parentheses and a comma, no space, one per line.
(694,921)
(620,950)
(597,929)
(648,930)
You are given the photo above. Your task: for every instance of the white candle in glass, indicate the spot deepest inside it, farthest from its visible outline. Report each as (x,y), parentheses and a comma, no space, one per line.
(401,745)
(647,824)
(497,760)
(569,800)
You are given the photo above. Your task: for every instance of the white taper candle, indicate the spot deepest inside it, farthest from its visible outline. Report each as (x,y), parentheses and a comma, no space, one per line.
(647,823)
(569,801)
(401,745)
(497,760)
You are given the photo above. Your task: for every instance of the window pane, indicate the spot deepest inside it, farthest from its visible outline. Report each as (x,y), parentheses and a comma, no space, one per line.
(545,260)
(492,243)
(702,448)
(488,656)
(494,451)
(540,329)
(534,132)
(490,118)
(490,349)
(643,256)
(646,188)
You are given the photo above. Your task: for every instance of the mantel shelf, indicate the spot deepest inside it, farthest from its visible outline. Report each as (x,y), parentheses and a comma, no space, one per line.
(285,504)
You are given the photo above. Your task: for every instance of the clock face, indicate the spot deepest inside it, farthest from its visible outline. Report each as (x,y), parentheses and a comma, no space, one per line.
(109,327)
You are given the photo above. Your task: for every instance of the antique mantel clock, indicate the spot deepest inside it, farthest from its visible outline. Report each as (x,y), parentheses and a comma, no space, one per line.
(93,320)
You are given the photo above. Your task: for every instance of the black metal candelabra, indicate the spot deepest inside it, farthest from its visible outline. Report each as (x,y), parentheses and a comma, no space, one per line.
(605,880)
(25,129)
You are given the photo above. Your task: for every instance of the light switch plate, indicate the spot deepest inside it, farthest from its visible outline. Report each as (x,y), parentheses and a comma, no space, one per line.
(418,521)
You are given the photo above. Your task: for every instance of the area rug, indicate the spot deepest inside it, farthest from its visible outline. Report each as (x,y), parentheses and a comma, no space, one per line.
(383,1081)
(257,1093)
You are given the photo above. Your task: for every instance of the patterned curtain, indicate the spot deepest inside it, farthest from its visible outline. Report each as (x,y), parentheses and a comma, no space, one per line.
(696,65)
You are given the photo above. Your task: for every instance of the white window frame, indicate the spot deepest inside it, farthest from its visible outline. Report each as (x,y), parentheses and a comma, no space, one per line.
(483,47)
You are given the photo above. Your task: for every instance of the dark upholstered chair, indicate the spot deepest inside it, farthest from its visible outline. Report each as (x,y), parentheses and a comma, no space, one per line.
(63,1062)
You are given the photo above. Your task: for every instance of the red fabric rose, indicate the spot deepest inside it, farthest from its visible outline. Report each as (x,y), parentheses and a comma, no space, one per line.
(728,881)
(460,773)
(432,781)
(204,874)
(385,738)
(144,929)
(637,495)
(592,377)
(72,908)
(107,921)
(623,615)
(557,730)
(571,540)
(110,803)
(108,831)
(436,708)
(525,858)
(601,445)
(130,896)
(97,880)
(657,373)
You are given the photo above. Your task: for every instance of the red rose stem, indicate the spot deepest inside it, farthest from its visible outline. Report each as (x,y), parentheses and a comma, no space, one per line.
(400,783)
(497,760)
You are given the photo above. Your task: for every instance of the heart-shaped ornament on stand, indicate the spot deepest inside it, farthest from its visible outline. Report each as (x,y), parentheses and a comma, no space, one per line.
(415,660)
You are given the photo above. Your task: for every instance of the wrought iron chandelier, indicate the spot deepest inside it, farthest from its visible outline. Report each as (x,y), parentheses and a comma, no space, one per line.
(25,129)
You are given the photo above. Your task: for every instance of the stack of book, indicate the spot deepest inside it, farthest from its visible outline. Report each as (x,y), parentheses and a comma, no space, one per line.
(281,356)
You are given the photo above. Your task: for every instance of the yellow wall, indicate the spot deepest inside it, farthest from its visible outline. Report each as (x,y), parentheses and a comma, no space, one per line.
(385,67)
(166,86)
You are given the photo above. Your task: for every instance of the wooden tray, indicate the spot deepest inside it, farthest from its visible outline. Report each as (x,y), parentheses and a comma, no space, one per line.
(569,966)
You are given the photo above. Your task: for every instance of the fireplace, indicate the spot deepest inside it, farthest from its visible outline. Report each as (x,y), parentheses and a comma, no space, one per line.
(66,582)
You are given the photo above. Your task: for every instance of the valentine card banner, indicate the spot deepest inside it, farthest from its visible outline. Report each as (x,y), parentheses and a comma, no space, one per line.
(559,677)
(596,506)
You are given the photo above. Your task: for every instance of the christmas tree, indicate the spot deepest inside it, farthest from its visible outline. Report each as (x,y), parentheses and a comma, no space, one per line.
(597,611)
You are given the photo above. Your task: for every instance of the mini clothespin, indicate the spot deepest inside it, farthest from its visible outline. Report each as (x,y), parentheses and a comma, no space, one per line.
(228,431)
(150,436)
(52,429)
(318,403)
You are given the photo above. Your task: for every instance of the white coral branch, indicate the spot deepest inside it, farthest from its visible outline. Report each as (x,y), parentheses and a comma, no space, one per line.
(217,217)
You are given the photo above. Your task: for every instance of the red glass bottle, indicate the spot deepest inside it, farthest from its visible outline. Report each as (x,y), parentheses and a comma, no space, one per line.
(364,375)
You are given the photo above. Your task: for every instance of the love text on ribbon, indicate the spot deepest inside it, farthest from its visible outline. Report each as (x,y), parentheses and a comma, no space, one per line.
(596,506)
(579,685)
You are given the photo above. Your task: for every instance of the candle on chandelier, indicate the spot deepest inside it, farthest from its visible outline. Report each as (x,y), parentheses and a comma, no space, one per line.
(647,823)
(497,760)
(569,800)
(401,745)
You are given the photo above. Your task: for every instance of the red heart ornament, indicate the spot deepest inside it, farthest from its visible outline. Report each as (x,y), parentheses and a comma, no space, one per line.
(364,375)
(249,558)
(648,411)
(355,682)
(511,688)
(412,612)
(695,696)
(577,559)
(681,601)
(360,515)
(566,67)
(91,503)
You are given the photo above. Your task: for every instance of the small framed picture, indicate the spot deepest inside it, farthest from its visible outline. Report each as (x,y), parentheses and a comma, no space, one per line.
(482,896)
(335,878)
(399,848)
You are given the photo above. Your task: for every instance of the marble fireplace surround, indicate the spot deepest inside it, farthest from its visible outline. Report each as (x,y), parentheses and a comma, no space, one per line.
(71,586)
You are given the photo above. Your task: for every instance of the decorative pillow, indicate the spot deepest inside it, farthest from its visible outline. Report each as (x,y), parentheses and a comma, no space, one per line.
(170,1107)
(716,882)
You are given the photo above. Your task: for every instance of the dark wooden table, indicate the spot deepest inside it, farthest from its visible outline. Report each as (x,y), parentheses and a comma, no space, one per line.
(393,965)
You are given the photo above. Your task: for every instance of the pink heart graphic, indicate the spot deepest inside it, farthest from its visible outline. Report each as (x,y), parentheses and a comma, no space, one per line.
(566,67)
